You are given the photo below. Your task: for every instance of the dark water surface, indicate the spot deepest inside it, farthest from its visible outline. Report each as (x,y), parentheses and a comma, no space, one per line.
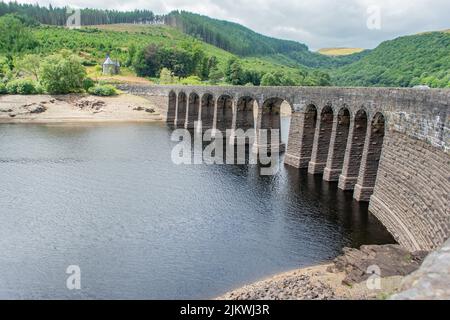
(108,199)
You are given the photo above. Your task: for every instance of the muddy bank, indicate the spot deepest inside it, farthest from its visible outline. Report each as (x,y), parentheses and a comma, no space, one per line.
(371,272)
(77,108)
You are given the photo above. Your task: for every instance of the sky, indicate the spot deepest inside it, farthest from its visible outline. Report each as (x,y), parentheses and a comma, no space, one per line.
(317,23)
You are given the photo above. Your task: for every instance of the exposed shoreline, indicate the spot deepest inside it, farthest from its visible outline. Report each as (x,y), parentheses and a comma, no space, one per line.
(76,109)
(312,283)
(345,278)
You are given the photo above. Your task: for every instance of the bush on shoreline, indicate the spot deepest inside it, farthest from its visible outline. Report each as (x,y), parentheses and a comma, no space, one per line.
(3,88)
(23,86)
(62,73)
(88,83)
(103,90)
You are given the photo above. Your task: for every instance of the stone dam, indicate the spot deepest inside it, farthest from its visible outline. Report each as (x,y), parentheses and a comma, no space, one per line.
(388,146)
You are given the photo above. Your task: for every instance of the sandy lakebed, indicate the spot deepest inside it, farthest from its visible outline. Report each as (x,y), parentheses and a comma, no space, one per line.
(76,108)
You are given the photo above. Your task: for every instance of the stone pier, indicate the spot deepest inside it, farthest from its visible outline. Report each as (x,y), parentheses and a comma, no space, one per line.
(354,151)
(321,143)
(338,144)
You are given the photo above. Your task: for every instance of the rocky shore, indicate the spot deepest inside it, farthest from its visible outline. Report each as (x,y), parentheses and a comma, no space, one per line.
(371,272)
(76,108)
(431,281)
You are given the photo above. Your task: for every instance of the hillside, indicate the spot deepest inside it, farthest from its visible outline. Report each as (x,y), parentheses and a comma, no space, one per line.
(93,43)
(116,39)
(403,62)
(142,35)
(242,41)
(192,45)
(231,37)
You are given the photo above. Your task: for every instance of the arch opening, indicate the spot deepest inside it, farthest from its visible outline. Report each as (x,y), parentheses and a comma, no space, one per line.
(245,118)
(224,118)
(171,108)
(193,110)
(182,106)
(276,113)
(207,111)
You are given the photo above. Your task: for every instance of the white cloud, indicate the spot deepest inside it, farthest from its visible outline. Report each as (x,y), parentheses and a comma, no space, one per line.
(317,23)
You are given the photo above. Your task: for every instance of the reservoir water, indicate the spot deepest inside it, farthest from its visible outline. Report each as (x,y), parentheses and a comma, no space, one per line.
(108,198)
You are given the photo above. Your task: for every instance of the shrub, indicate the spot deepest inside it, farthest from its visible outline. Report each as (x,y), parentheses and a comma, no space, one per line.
(192,80)
(22,86)
(277,79)
(103,90)
(11,87)
(89,63)
(3,67)
(62,73)
(166,76)
(29,65)
(2,88)
(39,88)
(88,83)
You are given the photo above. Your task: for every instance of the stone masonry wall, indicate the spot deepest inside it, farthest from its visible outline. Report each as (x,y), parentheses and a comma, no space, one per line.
(412,192)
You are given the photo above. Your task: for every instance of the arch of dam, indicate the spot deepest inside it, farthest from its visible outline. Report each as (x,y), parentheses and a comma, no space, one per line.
(388,146)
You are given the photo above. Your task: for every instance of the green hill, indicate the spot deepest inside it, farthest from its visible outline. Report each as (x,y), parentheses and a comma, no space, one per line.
(93,43)
(230,36)
(403,62)
(242,41)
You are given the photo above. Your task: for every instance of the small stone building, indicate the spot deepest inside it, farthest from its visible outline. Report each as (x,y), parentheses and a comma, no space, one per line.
(111,67)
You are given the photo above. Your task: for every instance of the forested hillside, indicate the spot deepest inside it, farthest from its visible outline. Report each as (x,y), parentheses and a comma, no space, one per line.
(230,36)
(422,59)
(58,16)
(242,41)
(225,35)
(158,53)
